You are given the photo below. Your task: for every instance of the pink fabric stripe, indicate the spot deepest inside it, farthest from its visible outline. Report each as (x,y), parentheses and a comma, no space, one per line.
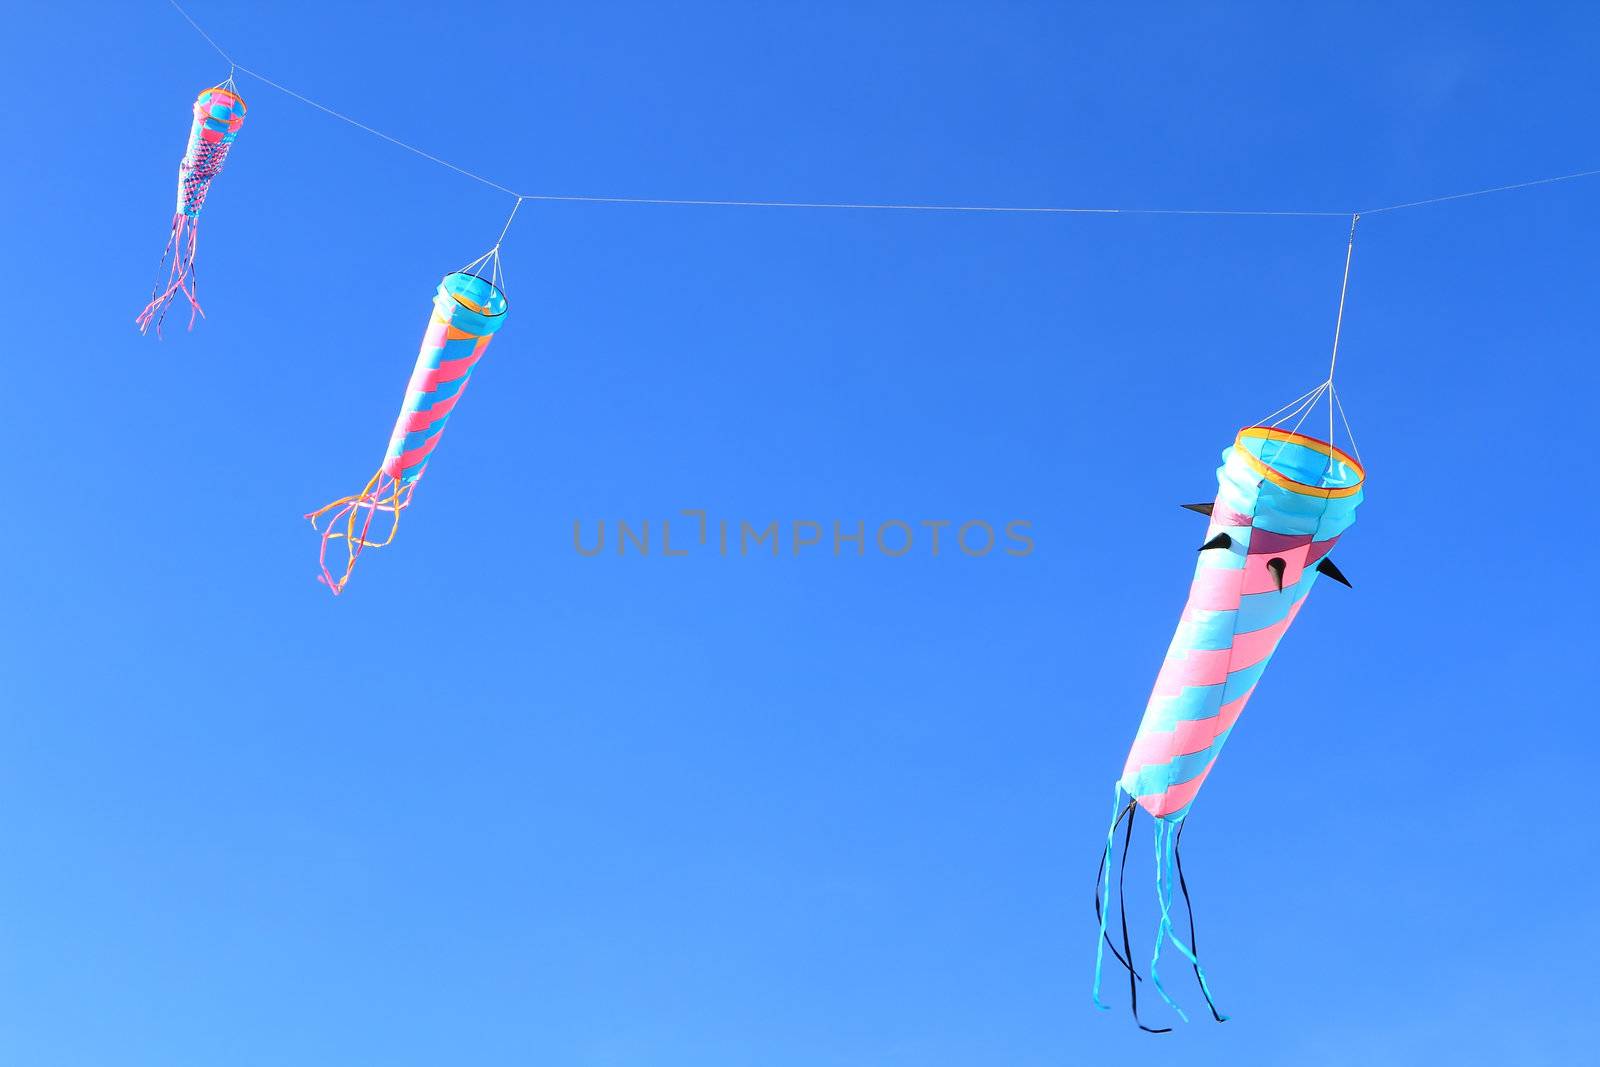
(1175,797)
(1156,747)
(398,465)
(1196,667)
(395,468)
(425,380)
(413,421)
(1216,589)
(1188,737)
(1212,666)
(1253,647)
(1230,712)
(1147,749)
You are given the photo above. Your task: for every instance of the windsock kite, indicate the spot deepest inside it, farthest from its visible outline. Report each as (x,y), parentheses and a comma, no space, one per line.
(1283,501)
(467,310)
(218,114)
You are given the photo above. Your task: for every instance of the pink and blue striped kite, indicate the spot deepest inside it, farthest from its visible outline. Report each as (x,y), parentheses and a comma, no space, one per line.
(1283,501)
(218,114)
(467,310)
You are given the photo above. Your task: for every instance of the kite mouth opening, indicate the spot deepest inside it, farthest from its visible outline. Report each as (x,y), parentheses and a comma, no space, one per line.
(476,294)
(230,92)
(1300,463)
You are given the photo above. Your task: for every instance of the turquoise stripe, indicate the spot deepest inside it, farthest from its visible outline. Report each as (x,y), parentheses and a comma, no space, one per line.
(430,358)
(1163,713)
(1242,681)
(1206,631)
(1281,511)
(419,399)
(1157,778)
(1257,611)
(412,474)
(416,438)
(422,399)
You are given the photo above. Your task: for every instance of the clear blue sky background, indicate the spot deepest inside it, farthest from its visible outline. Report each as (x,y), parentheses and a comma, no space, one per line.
(503,804)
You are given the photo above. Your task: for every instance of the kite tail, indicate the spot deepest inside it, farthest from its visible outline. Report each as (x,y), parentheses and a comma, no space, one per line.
(1166,852)
(1194,945)
(1102,898)
(180,279)
(1102,907)
(1164,899)
(356,514)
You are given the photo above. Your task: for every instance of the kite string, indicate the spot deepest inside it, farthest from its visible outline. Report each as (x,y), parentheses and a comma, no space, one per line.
(494,253)
(1294,404)
(1338,327)
(1347,430)
(1303,415)
(495,277)
(1303,408)
(1305,403)
(197,29)
(509,218)
(491,258)
(235,66)
(1483,192)
(1344,287)
(376,133)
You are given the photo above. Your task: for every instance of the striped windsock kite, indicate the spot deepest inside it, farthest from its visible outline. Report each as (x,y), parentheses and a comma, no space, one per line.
(1283,500)
(467,310)
(218,114)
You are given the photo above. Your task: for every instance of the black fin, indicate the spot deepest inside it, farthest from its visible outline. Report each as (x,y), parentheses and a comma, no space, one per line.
(1204,509)
(1327,567)
(1222,540)
(1276,565)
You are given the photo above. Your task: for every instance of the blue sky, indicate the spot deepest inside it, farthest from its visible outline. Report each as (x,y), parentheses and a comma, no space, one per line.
(505,804)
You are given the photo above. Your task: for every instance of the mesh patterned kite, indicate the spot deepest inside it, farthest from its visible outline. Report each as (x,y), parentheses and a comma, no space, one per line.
(1283,501)
(218,114)
(467,310)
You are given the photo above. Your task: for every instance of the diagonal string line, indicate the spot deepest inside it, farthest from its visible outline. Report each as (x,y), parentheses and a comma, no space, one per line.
(947,208)
(363,126)
(993,209)
(1484,192)
(965,208)
(202,33)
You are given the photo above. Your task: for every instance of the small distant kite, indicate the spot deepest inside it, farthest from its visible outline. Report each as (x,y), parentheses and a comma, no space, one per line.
(218,114)
(1283,501)
(467,310)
